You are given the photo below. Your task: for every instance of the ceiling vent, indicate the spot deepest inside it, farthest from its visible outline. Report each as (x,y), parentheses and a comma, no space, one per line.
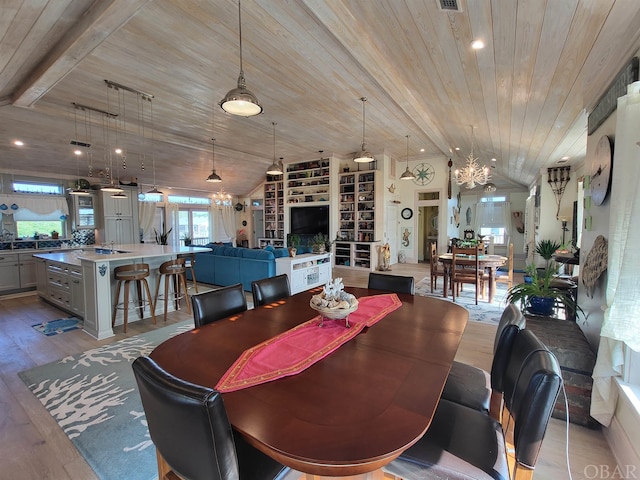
(449,5)
(78,143)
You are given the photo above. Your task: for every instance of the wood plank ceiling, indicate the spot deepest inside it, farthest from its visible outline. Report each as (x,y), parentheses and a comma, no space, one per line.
(526,94)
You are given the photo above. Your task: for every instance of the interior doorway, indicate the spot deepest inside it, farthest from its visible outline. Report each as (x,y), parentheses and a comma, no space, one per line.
(258,226)
(428,229)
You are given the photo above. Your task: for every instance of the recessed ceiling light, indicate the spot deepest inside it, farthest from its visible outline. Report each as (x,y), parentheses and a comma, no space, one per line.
(493,160)
(18,143)
(477,44)
(118,150)
(457,149)
(422,149)
(78,152)
(565,158)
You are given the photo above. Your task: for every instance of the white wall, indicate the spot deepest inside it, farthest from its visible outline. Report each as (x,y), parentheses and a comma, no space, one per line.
(593,307)
(407,193)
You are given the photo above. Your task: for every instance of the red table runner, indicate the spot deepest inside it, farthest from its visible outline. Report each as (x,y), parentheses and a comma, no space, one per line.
(293,351)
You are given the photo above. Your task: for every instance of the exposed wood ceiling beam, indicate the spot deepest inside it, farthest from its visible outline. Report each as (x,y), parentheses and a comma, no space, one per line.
(102,19)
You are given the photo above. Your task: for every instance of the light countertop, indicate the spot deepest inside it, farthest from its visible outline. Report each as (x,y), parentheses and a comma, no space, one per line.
(131,251)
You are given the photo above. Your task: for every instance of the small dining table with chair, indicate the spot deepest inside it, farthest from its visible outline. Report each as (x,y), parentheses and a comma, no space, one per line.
(488,263)
(356,408)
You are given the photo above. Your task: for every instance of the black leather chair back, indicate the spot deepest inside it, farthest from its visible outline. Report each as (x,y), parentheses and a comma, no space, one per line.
(511,315)
(511,322)
(268,290)
(188,424)
(391,283)
(218,304)
(532,383)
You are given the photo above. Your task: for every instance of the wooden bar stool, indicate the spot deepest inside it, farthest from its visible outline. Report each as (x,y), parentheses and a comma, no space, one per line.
(126,274)
(175,270)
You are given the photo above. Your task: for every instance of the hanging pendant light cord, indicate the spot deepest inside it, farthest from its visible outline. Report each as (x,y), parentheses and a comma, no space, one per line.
(240,35)
(274,141)
(364,99)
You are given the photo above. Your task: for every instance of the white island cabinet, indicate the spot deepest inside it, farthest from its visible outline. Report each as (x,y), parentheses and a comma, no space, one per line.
(305,271)
(95,295)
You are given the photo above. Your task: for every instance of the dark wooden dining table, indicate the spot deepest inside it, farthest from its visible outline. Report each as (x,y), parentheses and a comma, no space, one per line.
(348,414)
(489,263)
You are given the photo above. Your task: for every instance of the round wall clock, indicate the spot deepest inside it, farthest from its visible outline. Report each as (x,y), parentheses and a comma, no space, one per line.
(406,213)
(601,170)
(423,173)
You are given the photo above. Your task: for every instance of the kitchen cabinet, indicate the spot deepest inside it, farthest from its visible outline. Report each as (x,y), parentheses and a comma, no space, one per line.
(17,271)
(119,217)
(27,266)
(9,272)
(64,287)
(84,211)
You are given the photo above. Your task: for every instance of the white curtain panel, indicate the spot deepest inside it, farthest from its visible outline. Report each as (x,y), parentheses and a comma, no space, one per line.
(622,315)
(229,222)
(173,222)
(146,215)
(493,215)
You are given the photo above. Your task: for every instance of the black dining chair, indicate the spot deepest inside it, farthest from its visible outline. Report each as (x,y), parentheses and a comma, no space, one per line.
(464,443)
(218,304)
(189,427)
(391,283)
(269,290)
(474,387)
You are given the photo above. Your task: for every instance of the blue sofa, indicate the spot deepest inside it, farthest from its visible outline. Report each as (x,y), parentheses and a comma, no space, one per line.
(225,265)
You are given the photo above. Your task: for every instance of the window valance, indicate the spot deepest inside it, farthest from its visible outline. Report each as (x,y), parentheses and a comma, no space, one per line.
(30,207)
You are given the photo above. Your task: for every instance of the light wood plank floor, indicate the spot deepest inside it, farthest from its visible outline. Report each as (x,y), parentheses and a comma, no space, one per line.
(32,446)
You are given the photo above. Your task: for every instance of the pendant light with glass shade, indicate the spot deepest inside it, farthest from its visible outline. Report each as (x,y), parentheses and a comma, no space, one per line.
(240,101)
(214,177)
(407,174)
(275,168)
(363,156)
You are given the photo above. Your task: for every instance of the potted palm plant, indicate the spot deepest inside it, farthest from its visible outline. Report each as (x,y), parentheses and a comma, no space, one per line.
(187,239)
(540,295)
(546,249)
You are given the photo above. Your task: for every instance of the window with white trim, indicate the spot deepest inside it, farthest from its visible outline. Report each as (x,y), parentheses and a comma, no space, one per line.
(493,214)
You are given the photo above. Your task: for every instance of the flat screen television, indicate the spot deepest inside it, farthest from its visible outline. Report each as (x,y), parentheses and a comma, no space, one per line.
(309,220)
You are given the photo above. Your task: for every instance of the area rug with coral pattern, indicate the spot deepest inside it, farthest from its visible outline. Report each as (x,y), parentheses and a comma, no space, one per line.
(94,398)
(483,312)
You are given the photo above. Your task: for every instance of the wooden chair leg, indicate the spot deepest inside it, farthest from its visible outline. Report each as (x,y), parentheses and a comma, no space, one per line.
(115,304)
(183,278)
(165,472)
(140,302)
(152,306)
(193,279)
(127,287)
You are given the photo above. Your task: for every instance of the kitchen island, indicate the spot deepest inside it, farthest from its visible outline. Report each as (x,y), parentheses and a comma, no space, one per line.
(81,281)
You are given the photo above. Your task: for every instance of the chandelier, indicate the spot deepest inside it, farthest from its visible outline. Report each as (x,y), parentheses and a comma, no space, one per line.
(472,173)
(222,198)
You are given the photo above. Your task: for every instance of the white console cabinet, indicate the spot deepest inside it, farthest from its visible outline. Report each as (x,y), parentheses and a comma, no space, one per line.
(305,271)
